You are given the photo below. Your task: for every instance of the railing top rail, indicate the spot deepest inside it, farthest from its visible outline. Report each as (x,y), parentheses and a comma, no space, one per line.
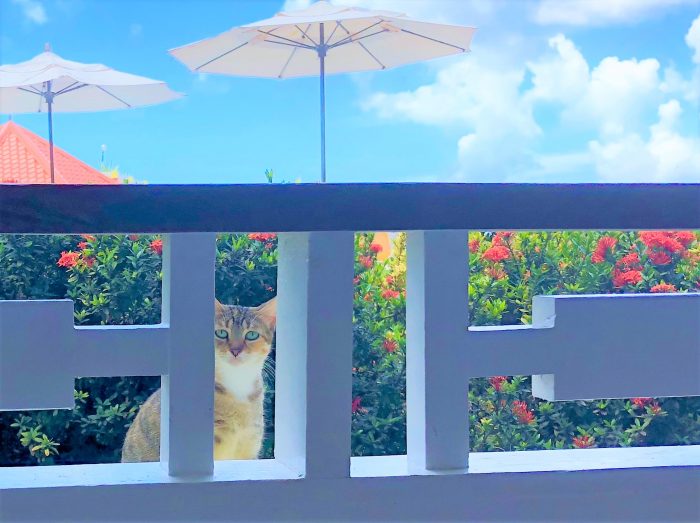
(355,207)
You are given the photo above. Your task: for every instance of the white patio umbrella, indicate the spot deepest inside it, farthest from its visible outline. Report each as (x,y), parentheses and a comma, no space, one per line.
(324,39)
(48,83)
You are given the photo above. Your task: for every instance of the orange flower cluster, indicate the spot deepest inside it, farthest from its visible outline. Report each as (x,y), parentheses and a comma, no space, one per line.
(356,404)
(390,294)
(664,287)
(262,236)
(497,382)
(583,442)
(628,270)
(390,345)
(68,259)
(365,261)
(605,245)
(523,414)
(496,253)
(640,403)
(157,246)
(661,245)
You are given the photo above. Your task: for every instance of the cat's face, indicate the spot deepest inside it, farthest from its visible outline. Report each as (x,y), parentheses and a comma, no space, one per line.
(243,335)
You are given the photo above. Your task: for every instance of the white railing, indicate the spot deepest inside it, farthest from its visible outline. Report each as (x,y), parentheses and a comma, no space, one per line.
(578,347)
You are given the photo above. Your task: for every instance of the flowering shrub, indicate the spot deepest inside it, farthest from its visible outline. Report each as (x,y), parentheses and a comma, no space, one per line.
(116,280)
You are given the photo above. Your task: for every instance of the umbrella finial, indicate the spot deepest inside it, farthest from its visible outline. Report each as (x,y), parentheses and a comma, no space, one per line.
(47,47)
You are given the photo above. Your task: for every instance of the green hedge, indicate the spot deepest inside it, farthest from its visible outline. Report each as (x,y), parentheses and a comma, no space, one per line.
(116,280)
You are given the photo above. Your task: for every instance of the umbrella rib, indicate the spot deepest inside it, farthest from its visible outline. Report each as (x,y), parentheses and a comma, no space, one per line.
(70,88)
(433,40)
(305,33)
(66,87)
(220,56)
(372,55)
(291,42)
(349,36)
(286,64)
(112,95)
(31,90)
(337,25)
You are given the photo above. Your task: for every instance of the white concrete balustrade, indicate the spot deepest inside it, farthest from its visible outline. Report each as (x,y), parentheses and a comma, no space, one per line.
(578,347)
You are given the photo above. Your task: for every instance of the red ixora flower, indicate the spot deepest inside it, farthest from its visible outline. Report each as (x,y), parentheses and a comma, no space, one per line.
(264,237)
(390,280)
(662,239)
(497,382)
(88,237)
(390,294)
(497,253)
(659,257)
(157,246)
(356,404)
(356,280)
(583,442)
(474,245)
(89,261)
(685,238)
(390,345)
(376,248)
(622,278)
(605,244)
(83,245)
(640,403)
(629,261)
(68,259)
(365,261)
(655,409)
(522,412)
(663,287)
(133,237)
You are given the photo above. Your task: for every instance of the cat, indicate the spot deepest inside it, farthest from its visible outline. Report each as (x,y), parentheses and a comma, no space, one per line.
(242,341)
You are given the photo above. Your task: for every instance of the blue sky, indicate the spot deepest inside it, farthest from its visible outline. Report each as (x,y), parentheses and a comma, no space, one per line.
(553,91)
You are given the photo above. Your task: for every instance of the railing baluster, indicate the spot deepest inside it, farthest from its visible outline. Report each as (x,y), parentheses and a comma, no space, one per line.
(436,320)
(187,395)
(313,388)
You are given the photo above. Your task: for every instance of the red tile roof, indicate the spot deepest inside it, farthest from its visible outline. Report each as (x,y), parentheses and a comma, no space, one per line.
(24,158)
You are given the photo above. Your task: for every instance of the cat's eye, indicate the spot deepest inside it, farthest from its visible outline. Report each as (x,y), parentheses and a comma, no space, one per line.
(252,335)
(221,334)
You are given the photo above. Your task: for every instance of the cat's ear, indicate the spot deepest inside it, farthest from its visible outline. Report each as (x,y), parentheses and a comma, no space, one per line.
(218,308)
(268,312)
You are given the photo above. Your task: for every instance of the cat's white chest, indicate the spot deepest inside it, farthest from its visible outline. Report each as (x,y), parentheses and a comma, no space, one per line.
(240,381)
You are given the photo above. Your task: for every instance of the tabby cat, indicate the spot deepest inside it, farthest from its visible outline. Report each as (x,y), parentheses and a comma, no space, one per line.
(242,341)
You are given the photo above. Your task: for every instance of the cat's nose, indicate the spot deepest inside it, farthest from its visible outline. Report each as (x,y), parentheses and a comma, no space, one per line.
(236,351)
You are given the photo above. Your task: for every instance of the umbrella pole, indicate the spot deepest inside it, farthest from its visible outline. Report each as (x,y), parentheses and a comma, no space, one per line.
(49,101)
(322,58)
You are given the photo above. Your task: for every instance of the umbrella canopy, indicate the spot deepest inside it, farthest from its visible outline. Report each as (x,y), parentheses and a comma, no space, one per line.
(49,83)
(324,39)
(27,87)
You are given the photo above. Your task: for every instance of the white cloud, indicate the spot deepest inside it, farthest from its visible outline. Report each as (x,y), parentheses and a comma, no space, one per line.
(667,156)
(622,109)
(470,94)
(601,12)
(692,38)
(33,11)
